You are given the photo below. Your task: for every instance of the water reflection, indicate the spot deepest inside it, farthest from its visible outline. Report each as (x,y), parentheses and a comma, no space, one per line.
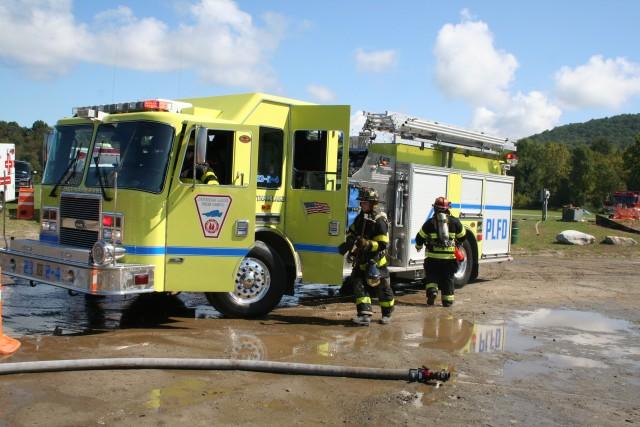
(571,339)
(47,310)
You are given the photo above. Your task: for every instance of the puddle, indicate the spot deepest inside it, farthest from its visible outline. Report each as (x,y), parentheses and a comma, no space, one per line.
(568,340)
(572,319)
(47,310)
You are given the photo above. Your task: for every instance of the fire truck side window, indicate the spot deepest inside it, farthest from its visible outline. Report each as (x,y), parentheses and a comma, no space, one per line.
(316,164)
(219,156)
(270,158)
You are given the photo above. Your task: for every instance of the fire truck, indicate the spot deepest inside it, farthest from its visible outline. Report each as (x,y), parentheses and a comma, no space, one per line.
(123,210)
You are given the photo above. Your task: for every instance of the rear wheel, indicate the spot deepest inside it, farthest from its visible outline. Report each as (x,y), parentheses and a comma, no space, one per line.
(465,267)
(258,288)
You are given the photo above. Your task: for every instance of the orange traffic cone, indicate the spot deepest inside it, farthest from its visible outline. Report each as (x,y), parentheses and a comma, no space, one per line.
(8,345)
(25,203)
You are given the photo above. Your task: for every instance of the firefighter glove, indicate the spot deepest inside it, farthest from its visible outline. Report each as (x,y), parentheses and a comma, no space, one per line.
(344,248)
(362,243)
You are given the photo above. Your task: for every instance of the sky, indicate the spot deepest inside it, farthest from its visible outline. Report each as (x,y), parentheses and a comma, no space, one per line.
(507,68)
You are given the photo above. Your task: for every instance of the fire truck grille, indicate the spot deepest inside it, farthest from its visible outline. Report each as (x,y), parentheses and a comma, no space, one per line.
(79,207)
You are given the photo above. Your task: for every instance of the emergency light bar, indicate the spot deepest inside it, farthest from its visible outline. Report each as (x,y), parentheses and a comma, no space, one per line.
(99,111)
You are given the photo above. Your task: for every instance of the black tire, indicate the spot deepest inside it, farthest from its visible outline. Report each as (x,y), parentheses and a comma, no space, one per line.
(465,268)
(267,285)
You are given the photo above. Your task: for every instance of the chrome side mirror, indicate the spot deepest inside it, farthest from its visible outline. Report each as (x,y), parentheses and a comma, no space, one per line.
(201,144)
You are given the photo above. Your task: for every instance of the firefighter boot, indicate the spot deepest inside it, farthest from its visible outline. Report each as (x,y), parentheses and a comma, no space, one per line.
(362,319)
(447,300)
(431,296)
(386,319)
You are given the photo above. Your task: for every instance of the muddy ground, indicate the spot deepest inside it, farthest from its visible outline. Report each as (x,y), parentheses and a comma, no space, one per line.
(543,340)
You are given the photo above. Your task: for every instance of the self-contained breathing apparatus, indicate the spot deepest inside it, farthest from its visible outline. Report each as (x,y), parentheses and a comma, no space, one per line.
(441,208)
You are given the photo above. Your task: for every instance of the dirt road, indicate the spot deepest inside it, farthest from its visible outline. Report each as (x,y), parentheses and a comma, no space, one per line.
(544,340)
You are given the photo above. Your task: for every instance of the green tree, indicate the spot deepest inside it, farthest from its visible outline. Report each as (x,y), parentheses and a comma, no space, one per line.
(631,159)
(582,176)
(555,169)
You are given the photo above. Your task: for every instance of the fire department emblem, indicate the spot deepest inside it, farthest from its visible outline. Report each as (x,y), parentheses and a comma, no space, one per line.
(212,211)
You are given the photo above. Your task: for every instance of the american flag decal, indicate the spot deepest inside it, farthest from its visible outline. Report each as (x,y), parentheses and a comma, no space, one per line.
(316,207)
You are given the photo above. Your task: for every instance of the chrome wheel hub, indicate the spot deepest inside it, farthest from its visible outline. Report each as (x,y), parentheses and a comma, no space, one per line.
(252,281)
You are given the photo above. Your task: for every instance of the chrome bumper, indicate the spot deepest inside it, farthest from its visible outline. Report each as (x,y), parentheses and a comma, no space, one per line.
(69,268)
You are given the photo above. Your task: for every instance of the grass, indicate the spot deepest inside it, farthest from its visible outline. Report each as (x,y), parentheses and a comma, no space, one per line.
(544,239)
(18,228)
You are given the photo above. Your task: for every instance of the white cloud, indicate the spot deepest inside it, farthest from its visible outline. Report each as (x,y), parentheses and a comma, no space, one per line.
(523,115)
(321,93)
(469,66)
(375,61)
(601,82)
(357,122)
(219,41)
(41,35)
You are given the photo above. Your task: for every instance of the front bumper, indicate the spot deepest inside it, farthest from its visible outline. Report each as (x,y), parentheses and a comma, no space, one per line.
(69,268)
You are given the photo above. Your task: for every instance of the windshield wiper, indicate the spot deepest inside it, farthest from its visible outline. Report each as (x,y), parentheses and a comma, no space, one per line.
(71,164)
(96,160)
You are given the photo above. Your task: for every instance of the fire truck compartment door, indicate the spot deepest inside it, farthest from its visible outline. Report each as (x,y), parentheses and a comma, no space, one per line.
(497,216)
(425,186)
(211,227)
(315,218)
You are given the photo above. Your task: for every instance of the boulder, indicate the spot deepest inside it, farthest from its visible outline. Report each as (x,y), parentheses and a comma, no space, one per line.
(573,237)
(616,240)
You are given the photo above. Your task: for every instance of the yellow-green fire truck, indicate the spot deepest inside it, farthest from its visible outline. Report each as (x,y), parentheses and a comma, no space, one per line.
(123,210)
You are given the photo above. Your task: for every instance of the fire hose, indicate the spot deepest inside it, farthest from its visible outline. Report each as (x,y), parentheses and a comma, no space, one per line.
(422,375)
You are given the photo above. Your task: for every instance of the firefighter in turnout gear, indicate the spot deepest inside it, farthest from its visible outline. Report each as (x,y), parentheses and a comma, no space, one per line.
(441,233)
(366,243)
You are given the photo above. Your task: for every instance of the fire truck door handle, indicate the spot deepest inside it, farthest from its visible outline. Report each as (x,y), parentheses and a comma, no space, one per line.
(178,260)
(241,176)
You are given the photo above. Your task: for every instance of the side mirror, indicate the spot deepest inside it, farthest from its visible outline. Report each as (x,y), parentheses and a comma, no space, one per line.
(201,144)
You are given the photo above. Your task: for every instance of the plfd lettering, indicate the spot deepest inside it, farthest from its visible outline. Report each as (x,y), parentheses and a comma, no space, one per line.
(496,229)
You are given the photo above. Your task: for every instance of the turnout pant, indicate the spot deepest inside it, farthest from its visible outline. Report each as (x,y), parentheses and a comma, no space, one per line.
(363,293)
(439,275)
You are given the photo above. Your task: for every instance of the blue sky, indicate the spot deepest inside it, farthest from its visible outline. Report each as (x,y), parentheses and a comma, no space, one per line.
(508,68)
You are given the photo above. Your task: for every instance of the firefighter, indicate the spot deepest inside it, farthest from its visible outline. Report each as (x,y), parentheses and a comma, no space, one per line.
(204,173)
(366,243)
(441,233)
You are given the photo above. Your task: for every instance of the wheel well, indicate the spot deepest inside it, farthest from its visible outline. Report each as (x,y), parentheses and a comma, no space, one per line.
(280,245)
(475,267)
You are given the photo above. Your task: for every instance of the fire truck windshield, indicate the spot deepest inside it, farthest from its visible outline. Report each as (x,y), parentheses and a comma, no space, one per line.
(67,155)
(137,151)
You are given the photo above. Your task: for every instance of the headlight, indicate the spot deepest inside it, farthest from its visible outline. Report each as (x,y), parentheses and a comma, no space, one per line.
(105,253)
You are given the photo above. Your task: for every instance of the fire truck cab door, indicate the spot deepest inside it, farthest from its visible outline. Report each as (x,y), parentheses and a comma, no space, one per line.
(316,199)
(211,227)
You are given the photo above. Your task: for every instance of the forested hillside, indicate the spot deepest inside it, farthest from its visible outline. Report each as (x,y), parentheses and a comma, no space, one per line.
(28,141)
(618,130)
(580,164)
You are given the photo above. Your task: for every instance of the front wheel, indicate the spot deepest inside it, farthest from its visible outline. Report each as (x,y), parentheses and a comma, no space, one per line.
(258,288)
(465,267)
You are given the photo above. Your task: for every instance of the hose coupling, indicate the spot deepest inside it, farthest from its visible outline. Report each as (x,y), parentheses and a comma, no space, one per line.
(424,375)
